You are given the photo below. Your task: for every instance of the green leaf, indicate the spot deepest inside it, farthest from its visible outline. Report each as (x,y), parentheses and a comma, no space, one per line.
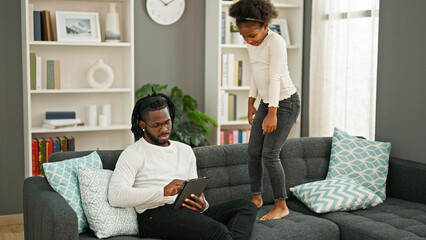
(177,92)
(147,89)
(189,103)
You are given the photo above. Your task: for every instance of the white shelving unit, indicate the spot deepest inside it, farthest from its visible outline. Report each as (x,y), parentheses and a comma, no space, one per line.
(75,93)
(292,11)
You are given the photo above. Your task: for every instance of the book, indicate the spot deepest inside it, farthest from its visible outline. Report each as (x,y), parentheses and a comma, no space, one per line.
(56,145)
(70,144)
(50,126)
(41,155)
(223,27)
(50,74)
(57,74)
(235,136)
(37,25)
(224,70)
(63,142)
(230,80)
(31,22)
(240,73)
(46,26)
(235,82)
(32,71)
(232,107)
(223,109)
(38,73)
(60,115)
(61,122)
(49,148)
(222,138)
(230,137)
(34,157)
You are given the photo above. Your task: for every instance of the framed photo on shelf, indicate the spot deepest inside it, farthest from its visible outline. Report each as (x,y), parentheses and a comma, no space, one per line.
(78,26)
(280,26)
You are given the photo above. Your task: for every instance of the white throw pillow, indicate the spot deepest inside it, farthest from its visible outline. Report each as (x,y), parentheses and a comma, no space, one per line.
(105,220)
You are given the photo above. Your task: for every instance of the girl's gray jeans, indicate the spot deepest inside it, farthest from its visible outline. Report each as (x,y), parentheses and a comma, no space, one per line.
(264,150)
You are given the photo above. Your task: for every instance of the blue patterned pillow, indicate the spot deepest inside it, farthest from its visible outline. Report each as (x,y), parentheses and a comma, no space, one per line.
(365,161)
(62,176)
(337,194)
(105,220)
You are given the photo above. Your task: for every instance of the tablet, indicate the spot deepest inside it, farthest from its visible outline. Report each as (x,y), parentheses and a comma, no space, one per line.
(191,186)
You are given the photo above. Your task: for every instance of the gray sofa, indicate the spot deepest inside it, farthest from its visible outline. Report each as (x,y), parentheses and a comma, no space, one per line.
(401,216)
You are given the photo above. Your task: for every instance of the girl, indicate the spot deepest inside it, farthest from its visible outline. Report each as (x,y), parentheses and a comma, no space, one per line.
(279,106)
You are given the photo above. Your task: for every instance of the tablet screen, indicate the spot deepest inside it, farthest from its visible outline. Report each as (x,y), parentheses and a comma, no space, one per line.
(191,186)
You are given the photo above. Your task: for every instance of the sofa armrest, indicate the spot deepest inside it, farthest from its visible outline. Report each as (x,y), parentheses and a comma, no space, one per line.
(406,180)
(46,213)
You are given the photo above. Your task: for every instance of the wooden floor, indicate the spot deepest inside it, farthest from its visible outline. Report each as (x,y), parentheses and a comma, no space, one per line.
(12,227)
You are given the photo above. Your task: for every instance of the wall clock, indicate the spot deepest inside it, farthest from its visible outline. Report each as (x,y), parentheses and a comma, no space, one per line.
(165,12)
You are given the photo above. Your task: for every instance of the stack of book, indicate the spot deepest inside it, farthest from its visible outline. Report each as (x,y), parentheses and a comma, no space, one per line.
(234,136)
(232,71)
(42,148)
(41,22)
(55,120)
(44,73)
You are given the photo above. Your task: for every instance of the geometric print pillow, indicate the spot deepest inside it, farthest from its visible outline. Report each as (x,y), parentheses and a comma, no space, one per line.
(105,220)
(365,161)
(336,194)
(62,176)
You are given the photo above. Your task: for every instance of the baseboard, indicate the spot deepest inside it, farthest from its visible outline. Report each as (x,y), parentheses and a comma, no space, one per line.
(13,219)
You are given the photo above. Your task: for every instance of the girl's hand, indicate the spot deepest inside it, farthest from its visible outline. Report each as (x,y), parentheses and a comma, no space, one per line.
(251,109)
(251,112)
(270,122)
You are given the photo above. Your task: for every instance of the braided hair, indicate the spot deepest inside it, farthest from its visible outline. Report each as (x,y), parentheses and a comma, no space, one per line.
(143,106)
(253,11)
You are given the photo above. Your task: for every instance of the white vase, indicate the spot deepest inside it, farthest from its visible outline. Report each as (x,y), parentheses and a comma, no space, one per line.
(104,79)
(236,38)
(112,24)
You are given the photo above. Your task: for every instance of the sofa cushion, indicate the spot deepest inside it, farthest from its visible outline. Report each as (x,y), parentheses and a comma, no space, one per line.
(62,176)
(393,220)
(336,194)
(303,159)
(294,226)
(104,220)
(365,161)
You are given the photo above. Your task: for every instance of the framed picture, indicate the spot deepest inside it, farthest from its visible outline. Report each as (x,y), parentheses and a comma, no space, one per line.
(280,26)
(78,26)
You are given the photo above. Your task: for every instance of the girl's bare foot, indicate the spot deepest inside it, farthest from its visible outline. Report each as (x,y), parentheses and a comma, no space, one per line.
(257,200)
(280,210)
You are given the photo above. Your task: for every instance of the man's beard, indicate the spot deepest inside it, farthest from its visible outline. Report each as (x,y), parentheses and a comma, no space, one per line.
(154,139)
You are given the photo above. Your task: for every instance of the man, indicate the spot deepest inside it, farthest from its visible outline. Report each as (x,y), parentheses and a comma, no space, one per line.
(150,172)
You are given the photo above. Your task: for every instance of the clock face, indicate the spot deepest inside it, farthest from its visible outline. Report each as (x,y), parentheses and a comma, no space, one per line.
(165,12)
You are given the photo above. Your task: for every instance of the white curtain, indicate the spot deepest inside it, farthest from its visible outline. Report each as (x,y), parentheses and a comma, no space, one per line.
(343,67)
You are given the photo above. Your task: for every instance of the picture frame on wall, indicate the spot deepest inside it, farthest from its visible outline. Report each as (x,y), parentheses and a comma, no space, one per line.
(280,26)
(78,26)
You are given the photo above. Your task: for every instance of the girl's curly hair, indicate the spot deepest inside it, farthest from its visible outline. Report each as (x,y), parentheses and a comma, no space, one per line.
(260,11)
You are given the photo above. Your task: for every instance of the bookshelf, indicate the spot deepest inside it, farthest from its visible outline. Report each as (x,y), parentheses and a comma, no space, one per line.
(292,11)
(75,93)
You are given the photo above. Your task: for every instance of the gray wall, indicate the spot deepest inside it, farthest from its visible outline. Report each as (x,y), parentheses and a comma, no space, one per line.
(172,54)
(401,85)
(11,110)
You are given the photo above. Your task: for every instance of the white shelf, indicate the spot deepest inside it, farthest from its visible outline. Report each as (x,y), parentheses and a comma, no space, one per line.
(235,123)
(243,88)
(79,44)
(278,5)
(82,90)
(75,93)
(292,11)
(82,129)
(236,46)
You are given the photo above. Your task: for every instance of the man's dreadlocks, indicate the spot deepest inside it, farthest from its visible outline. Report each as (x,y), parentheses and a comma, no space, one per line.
(143,106)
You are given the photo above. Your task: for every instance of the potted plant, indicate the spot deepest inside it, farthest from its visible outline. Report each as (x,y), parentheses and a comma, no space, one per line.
(236,37)
(190,126)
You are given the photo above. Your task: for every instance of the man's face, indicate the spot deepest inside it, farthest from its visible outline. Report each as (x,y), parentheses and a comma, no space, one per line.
(157,127)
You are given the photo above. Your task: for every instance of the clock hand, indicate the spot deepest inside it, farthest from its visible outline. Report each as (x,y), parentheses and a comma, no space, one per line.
(169,2)
(165,4)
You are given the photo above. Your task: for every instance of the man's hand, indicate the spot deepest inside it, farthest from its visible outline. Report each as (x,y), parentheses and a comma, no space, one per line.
(173,187)
(197,204)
